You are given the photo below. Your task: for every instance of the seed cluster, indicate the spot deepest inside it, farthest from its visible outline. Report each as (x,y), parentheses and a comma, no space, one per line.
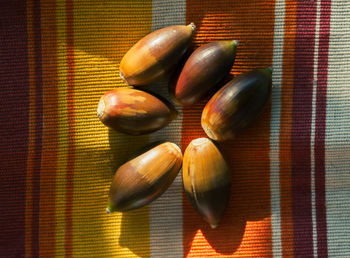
(206,175)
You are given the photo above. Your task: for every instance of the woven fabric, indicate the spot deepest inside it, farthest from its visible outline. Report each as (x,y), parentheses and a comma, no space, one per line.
(290,170)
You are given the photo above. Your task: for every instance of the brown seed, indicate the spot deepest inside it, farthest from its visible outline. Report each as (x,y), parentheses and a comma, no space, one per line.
(144,178)
(207,179)
(153,56)
(134,111)
(237,104)
(205,68)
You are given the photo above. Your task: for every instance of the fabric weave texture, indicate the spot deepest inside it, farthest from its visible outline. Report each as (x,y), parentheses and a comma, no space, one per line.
(290,170)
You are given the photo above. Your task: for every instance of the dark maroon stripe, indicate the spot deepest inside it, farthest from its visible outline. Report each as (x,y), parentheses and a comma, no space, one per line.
(320,128)
(301,128)
(14,126)
(38,127)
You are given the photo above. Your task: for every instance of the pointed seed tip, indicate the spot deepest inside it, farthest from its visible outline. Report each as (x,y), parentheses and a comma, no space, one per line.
(213,226)
(122,77)
(101,108)
(192,25)
(235,43)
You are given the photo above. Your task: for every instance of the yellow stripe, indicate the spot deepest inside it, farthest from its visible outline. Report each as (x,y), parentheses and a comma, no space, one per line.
(63,127)
(102,34)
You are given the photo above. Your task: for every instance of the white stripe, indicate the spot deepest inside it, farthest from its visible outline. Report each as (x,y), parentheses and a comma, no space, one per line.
(312,138)
(275,127)
(166,211)
(338,132)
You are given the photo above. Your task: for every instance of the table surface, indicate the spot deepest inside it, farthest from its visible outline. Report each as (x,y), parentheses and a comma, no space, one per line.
(290,169)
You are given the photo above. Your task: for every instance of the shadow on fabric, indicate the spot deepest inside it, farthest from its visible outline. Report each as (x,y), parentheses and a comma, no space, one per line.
(134,224)
(245,227)
(249,199)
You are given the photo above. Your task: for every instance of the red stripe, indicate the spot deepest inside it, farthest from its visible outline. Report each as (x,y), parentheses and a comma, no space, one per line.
(301,128)
(38,128)
(50,131)
(71,130)
(14,129)
(321,102)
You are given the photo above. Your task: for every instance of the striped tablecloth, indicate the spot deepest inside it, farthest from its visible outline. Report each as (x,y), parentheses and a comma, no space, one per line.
(290,170)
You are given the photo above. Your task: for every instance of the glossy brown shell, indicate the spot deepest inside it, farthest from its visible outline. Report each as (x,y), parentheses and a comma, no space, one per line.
(237,104)
(205,68)
(144,178)
(207,179)
(134,111)
(153,56)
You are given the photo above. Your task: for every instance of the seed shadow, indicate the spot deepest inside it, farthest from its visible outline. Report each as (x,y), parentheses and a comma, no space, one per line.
(250,196)
(225,239)
(133,223)
(123,147)
(247,154)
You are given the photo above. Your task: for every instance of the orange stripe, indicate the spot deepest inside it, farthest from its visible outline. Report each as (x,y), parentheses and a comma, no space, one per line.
(31,144)
(287,233)
(71,130)
(50,133)
(245,230)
